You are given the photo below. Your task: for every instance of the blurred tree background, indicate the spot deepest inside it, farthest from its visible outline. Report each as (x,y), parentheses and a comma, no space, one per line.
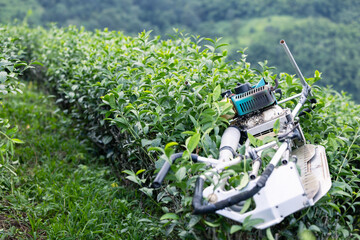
(322,34)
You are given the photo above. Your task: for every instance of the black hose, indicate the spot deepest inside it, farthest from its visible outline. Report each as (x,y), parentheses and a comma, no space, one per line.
(165,168)
(199,208)
(280,92)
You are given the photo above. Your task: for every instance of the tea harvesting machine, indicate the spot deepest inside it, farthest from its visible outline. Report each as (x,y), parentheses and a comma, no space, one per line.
(297,175)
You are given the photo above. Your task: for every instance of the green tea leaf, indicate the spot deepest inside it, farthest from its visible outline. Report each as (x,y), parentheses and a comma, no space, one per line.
(15,140)
(249,222)
(211,224)
(129,172)
(168,148)
(217,92)
(36,63)
(269,234)
(193,142)
(243,181)
(158,149)
(147,191)
(180,174)
(252,140)
(246,206)
(171,216)
(276,127)
(140,171)
(3,76)
(106,139)
(235,228)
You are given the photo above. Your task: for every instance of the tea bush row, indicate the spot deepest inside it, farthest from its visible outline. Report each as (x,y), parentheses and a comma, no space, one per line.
(11,51)
(130,96)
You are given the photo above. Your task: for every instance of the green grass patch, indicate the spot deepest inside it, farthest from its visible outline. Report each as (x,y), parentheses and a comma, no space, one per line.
(60,191)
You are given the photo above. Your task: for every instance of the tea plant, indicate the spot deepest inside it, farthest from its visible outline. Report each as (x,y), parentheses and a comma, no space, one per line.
(142,98)
(11,67)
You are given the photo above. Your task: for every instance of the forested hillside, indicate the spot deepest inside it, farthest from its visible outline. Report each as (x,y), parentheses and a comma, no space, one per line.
(324,34)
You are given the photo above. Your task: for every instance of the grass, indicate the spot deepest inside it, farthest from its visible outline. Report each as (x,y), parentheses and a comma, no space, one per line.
(60,190)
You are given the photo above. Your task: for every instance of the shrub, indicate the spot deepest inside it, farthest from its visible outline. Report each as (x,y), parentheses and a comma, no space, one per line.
(129,95)
(11,50)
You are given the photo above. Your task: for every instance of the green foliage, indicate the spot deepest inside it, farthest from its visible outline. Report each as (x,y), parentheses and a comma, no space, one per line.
(135,15)
(10,68)
(137,83)
(61,191)
(128,94)
(323,34)
(339,133)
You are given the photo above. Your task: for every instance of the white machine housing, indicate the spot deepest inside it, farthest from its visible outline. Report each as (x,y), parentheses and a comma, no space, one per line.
(292,186)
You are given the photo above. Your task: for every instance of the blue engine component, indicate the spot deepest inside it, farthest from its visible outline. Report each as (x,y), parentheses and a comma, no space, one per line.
(249,99)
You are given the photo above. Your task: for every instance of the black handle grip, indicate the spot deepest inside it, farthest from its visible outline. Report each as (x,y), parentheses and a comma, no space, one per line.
(161,175)
(313,100)
(313,103)
(166,167)
(305,110)
(280,92)
(199,208)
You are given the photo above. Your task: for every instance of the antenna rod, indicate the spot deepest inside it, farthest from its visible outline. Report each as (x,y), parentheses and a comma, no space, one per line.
(293,63)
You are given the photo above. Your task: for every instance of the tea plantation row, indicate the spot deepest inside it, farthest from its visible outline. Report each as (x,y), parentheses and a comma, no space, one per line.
(128,94)
(11,51)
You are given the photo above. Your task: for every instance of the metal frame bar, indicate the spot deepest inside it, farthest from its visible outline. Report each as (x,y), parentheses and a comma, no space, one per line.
(290,98)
